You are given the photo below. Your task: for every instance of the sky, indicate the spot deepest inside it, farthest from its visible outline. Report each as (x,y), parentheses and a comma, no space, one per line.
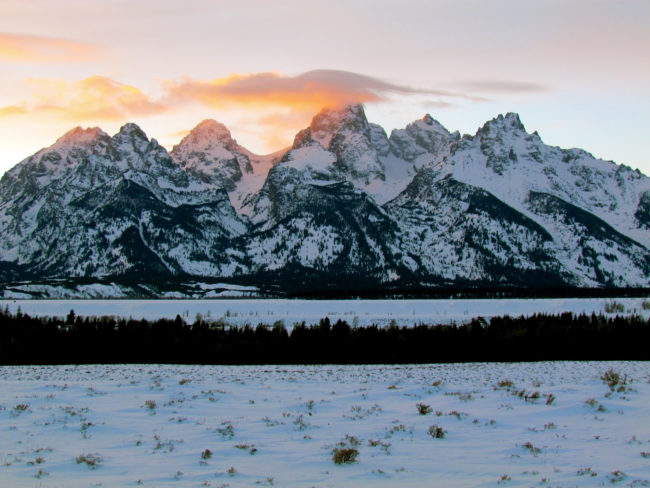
(577,71)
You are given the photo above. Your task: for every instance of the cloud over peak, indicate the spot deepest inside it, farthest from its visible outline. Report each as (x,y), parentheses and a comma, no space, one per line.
(307,91)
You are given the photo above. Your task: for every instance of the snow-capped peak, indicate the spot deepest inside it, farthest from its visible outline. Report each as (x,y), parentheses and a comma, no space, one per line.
(331,121)
(79,136)
(131,130)
(425,136)
(509,123)
(206,134)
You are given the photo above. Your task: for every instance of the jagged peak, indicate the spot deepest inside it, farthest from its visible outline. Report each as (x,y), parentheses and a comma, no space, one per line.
(509,122)
(331,120)
(210,128)
(79,135)
(428,123)
(206,135)
(132,130)
(353,110)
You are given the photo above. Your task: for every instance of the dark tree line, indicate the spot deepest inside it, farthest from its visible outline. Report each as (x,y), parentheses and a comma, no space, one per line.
(37,340)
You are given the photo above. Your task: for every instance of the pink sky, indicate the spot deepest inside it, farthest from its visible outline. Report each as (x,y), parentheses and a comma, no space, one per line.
(576,71)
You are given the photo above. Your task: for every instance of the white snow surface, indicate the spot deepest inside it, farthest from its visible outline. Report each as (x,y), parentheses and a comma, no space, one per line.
(362,312)
(523,163)
(148,425)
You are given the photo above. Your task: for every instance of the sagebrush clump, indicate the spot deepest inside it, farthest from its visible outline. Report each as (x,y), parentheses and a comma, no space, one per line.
(424,409)
(344,455)
(437,432)
(90,460)
(613,379)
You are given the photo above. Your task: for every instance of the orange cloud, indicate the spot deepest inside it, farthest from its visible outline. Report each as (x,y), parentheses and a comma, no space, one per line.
(309,91)
(286,104)
(37,49)
(92,99)
(11,110)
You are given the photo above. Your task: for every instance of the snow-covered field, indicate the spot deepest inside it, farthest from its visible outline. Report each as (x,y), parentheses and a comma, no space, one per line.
(361,312)
(153,425)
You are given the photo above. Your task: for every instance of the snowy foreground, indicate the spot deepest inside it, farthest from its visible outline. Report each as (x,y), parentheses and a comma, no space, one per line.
(355,312)
(151,425)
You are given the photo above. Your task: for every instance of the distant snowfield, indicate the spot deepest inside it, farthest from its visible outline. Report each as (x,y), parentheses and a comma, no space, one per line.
(186,426)
(361,312)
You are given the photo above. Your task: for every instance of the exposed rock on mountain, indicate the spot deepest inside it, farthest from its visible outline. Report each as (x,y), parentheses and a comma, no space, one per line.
(344,206)
(92,205)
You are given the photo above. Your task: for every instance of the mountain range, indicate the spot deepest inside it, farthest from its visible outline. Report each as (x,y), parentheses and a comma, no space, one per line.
(345,207)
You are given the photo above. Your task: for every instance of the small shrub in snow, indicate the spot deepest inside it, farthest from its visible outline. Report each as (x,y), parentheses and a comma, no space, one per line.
(267,482)
(40,474)
(383,445)
(531,397)
(352,440)
(461,396)
(534,450)
(645,304)
(20,408)
(150,405)
(616,476)
(227,431)
(343,455)
(613,379)
(505,385)
(504,478)
(207,454)
(550,398)
(423,408)
(457,414)
(90,460)
(300,423)
(437,432)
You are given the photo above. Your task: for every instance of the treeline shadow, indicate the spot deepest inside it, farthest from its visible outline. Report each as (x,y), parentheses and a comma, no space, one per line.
(106,340)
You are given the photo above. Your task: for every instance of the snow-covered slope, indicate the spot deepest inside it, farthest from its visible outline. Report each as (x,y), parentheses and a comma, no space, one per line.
(345,206)
(501,206)
(339,145)
(510,163)
(92,205)
(210,154)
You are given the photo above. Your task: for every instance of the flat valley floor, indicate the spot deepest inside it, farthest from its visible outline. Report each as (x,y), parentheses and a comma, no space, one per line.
(473,425)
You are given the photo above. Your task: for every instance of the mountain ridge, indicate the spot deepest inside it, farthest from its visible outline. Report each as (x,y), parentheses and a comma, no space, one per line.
(345,203)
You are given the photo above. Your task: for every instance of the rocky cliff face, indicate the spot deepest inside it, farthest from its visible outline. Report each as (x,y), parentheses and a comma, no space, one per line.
(344,205)
(92,205)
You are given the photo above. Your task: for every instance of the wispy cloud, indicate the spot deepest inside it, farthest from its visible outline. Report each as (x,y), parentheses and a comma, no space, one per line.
(93,99)
(308,91)
(25,48)
(11,110)
(287,103)
(501,87)
(276,106)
